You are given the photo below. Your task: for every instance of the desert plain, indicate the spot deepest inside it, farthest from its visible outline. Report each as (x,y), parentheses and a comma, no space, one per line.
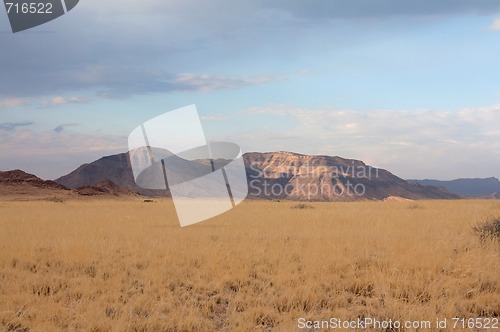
(126,265)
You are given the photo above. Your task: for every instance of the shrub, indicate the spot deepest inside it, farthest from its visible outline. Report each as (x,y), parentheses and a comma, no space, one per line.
(302,206)
(488,229)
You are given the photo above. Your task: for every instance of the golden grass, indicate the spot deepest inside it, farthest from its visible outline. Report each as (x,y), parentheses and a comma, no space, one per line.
(128,266)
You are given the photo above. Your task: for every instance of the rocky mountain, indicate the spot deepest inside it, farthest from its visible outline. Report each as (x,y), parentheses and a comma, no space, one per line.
(466,187)
(20,178)
(280,175)
(115,168)
(324,178)
(19,185)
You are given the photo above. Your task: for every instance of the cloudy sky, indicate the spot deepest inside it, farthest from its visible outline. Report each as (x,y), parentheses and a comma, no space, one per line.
(410,86)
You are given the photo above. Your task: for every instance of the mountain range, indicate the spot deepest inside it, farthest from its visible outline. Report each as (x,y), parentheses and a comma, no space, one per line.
(483,188)
(272,175)
(279,175)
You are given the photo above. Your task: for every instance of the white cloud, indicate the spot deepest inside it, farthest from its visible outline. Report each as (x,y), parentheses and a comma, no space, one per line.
(279,110)
(59,100)
(209,82)
(53,101)
(495,25)
(13,102)
(23,141)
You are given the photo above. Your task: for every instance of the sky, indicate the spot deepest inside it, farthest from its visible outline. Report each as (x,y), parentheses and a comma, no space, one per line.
(409,86)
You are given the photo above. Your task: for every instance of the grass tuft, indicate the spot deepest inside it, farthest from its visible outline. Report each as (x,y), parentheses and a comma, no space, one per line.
(302,206)
(488,229)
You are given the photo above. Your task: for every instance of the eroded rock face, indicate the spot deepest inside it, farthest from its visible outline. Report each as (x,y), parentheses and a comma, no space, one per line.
(286,175)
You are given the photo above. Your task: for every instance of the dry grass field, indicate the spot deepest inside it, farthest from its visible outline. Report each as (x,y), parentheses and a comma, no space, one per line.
(127,265)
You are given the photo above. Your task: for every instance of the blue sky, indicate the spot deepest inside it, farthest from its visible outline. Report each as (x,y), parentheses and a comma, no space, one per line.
(410,86)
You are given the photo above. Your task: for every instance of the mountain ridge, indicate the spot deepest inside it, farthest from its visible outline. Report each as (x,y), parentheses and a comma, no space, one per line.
(20,177)
(298,176)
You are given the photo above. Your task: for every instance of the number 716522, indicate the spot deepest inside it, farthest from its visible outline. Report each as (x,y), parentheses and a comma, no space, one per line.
(29,8)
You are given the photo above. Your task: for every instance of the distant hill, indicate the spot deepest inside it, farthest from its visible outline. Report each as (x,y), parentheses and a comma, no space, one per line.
(115,168)
(466,187)
(21,178)
(286,170)
(19,185)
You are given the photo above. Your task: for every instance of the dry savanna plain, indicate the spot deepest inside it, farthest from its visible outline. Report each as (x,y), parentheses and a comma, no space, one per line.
(126,265)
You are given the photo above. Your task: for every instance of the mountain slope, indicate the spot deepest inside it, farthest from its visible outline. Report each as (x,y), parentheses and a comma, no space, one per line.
(106,187)
(115,168)
(280,175)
